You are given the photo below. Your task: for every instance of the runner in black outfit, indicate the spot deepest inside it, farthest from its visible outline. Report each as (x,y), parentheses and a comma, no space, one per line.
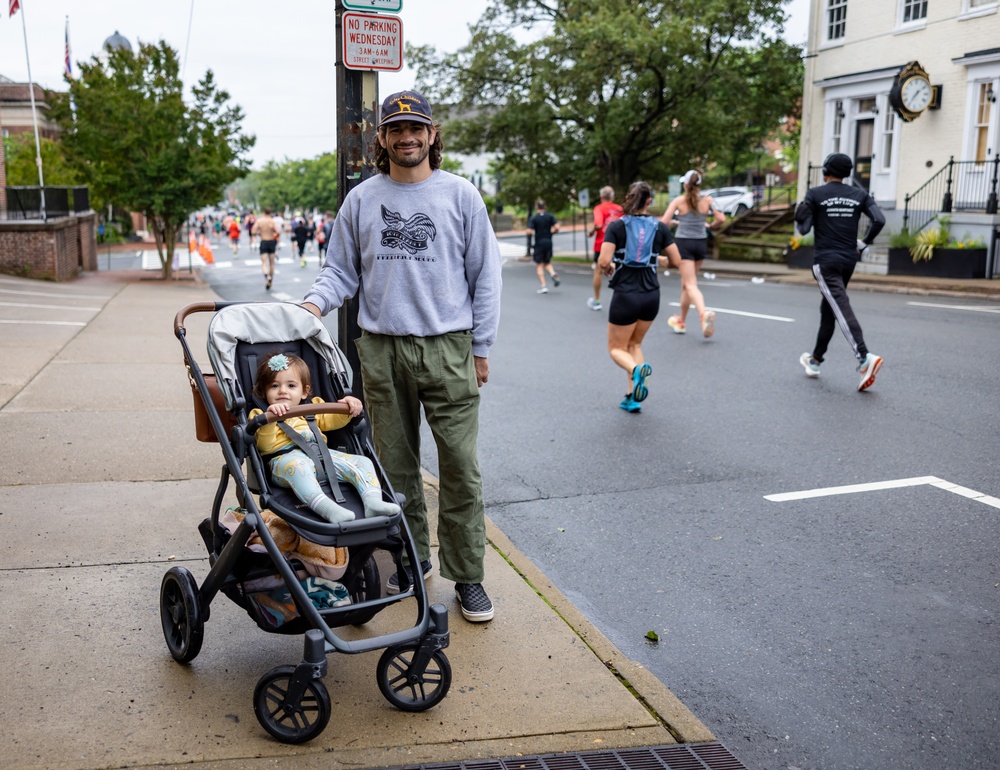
(834,209)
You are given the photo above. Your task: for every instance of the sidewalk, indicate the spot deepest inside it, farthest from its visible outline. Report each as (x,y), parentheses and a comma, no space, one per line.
(104,494)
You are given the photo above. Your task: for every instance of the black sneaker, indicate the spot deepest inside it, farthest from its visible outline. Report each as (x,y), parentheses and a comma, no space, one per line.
(392,584)
(476,605)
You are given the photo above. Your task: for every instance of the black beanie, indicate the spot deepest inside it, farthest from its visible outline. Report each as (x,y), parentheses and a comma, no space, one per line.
(837,165)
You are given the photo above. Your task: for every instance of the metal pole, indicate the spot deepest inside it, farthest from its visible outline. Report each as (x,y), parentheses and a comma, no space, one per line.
(946,203)
(357,114)
(991,202)
(34,116)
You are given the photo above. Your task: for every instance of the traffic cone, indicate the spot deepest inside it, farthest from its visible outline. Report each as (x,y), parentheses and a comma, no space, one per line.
(206,252)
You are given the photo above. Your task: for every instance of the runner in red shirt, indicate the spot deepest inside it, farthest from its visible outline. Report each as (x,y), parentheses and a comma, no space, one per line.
(604,212)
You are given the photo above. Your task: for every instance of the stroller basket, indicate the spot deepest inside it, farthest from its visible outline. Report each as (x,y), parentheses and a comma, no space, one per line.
(290,570)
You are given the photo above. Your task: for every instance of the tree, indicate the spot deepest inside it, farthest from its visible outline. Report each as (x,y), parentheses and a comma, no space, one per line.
(21,168)
(607,93)
(301,184)
(138,144)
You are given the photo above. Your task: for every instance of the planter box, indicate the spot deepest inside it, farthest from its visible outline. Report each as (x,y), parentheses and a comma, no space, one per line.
(802,257)
(946,263)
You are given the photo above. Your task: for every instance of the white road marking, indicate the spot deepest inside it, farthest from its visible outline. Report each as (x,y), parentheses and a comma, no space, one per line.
(50,294)
(875,486)
(49,307)
(973,308)
(743,313)
(44,323)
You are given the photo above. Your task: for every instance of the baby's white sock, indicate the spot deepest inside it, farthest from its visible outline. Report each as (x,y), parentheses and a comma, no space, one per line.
(329,510)
(376,506)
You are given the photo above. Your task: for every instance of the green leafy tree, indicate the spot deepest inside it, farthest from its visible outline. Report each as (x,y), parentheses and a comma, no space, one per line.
(138,144)
(299,184)
(22,171)
(607,93)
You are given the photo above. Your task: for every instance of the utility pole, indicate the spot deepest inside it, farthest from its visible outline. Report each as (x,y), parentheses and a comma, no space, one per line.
(357,114)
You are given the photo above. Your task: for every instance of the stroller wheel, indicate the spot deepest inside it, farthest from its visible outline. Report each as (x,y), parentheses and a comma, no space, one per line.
(291,717)
(181,615)
(407,688)
(368,588)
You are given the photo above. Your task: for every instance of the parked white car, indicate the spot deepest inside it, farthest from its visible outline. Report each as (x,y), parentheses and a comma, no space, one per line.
(732,200)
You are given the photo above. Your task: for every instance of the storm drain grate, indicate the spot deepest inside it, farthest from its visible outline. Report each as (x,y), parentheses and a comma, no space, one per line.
(683,756)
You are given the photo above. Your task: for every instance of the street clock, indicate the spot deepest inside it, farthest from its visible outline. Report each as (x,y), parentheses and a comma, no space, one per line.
(912,92)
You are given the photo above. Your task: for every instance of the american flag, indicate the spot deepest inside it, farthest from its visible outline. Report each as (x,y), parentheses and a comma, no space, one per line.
(14,6)
(69,63)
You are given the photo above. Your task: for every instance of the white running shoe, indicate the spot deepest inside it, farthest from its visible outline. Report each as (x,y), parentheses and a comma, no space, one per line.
(543,290)
(812,369)
(593,304)
(868,369)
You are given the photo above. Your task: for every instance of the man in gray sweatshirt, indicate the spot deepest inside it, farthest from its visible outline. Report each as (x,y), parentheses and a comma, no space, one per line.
(416,245)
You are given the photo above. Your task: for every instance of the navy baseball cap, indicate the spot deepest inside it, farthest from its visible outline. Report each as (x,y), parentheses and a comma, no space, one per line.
(406,105)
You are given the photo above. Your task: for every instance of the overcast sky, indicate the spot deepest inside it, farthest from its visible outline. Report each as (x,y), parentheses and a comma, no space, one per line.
(275,59)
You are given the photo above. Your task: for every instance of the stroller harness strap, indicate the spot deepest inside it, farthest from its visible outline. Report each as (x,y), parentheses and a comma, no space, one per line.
(318,452)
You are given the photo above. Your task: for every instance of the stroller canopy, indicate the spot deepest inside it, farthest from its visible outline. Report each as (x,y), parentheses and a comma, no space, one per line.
(256,322)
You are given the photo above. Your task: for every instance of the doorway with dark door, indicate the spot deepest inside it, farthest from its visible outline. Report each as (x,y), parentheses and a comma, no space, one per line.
(864,151)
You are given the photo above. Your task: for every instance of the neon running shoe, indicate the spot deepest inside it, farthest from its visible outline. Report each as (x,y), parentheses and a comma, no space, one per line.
(708,324)
(675,323)
(868,369)
(639,375)
(629,404)
(593,304)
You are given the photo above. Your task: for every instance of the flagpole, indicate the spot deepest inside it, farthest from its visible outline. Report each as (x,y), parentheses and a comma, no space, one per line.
(34,116)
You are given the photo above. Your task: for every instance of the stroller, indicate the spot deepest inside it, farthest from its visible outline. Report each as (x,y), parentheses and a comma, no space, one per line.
(277,588)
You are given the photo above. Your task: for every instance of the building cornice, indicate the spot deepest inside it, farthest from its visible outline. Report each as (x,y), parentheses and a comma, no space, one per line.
(979,57)
(858,77)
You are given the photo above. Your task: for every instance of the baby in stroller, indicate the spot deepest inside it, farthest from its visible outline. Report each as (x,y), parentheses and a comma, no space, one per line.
(284,381)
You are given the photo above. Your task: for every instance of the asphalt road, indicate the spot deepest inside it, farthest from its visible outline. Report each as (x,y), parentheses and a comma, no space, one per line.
(845,629)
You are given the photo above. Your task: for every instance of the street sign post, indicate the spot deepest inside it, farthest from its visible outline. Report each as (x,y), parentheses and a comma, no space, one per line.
(372,42)
(380,6)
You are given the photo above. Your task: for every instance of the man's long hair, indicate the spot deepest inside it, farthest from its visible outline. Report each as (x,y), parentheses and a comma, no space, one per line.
(434,156)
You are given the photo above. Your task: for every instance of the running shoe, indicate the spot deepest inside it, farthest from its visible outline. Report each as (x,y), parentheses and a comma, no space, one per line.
(675,323)
(555,279)
(543,290)
(639,375)
(811,367)
(303,262)
(593,304)
(629,404)
(267,282)
(475,603)
(868,369)
(392,584)
(708,323)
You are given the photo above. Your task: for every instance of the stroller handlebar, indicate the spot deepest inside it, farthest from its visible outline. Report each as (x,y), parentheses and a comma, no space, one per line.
(297,411)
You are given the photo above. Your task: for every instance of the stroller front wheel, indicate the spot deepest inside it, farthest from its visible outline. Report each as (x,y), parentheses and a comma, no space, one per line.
(180,614)
(407,687)
(291,712)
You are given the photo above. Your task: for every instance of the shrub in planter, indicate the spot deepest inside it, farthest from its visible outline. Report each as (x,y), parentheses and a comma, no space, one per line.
(935,253)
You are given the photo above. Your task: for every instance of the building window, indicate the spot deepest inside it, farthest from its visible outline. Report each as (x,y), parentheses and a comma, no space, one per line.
(838,125)
(981,127)
(836,19)
(916,10)
(888,131)
(976,7)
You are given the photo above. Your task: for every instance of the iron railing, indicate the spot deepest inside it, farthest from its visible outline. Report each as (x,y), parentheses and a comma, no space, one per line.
(959,185)
(26,202)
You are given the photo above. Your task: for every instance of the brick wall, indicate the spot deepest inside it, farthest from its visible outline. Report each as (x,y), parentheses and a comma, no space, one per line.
(55,250)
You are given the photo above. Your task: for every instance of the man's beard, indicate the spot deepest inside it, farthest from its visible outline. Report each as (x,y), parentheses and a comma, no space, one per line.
(409,161)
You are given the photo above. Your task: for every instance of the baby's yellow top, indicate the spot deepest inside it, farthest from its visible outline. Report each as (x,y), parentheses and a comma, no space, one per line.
(271,438)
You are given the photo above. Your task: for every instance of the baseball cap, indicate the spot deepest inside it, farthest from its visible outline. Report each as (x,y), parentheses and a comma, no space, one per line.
(837,165)
(406,105)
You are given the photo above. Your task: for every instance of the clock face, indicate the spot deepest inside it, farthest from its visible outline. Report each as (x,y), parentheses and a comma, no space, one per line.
(916,94)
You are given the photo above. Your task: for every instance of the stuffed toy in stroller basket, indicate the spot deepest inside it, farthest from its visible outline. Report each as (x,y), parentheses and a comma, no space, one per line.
(291,570)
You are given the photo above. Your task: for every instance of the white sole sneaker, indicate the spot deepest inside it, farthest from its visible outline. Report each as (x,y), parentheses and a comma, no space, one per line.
(868,371)
(811,370)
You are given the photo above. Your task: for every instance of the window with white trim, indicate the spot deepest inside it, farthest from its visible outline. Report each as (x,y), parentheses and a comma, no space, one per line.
(838,125)
(914,10)
(979,3)
(981,126)
(885,140)
(972,6)
(836,19)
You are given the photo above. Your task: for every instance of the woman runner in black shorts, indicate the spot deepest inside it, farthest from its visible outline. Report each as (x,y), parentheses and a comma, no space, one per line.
(636,298)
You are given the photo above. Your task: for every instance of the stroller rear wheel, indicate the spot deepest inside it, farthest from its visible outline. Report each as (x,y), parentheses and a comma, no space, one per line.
(368,588)
(407,687)
(290,716)
(181,615)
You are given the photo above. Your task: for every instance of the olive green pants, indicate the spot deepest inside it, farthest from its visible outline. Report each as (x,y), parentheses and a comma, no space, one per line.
(401,374)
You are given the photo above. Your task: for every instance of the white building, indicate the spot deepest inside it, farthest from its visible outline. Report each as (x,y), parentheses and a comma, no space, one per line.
(865,95)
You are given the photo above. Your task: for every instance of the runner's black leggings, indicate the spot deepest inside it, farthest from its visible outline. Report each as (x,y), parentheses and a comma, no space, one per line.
(835,310)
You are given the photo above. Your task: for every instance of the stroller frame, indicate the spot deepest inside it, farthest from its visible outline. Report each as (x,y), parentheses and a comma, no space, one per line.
(291,702)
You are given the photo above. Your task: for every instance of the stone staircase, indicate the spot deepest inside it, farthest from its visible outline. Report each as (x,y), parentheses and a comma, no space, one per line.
(758,235)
